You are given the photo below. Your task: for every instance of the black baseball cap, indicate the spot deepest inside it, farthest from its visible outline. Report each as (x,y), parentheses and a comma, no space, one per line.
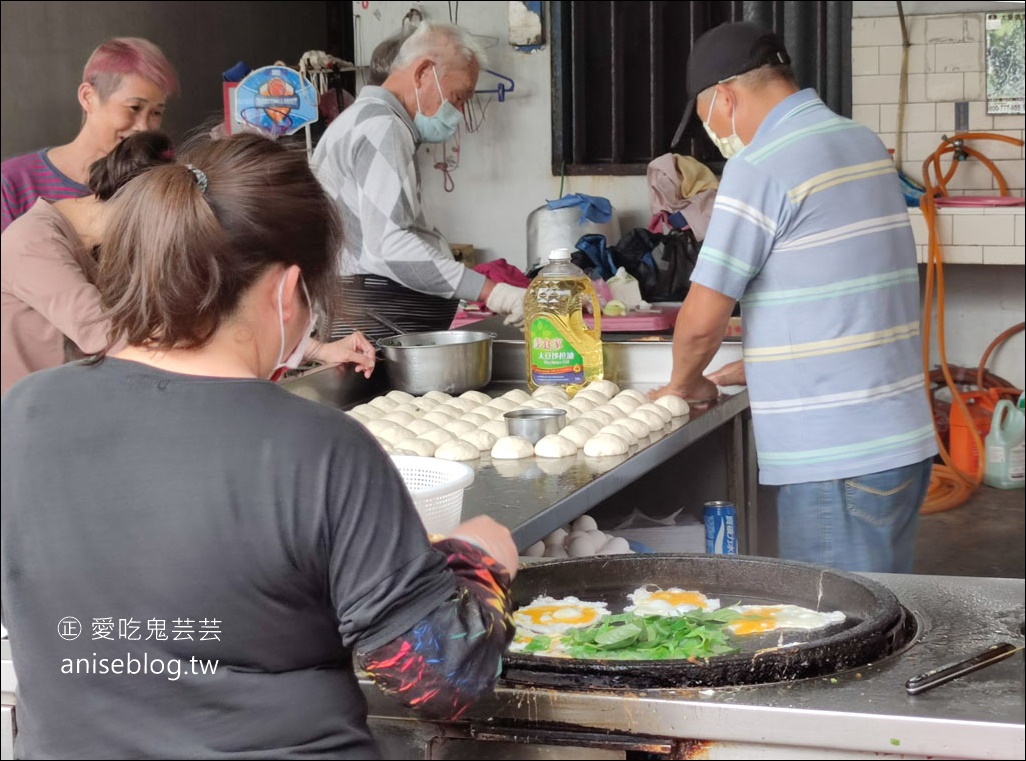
(727,51)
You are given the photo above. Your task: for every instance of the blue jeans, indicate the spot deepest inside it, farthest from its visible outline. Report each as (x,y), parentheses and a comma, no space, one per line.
(866,523)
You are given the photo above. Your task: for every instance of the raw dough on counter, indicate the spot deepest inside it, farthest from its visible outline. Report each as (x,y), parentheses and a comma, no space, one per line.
(605,445)
(399,418)
(383,403)
(630,393)
(676,406)
(362,419)
(592,395)
(658,409)
(380,424)
(649,418)
(486,411)
(419,447)
(557,391)
(636,427)
(421,426)
(576,434)
(601,416)
(483,440)
(438,436)
(393,434)
(478,397)
(475,419)
(555,446)
(516,396)
(439,418)
(604,387)
(459,427)
(497,428)
(438,396)
(625,404)
(367,411)
(460,451)
(589,424)
(400,397)
(582,405)
(464,405)
(504,404)
(620,430)
(512,448)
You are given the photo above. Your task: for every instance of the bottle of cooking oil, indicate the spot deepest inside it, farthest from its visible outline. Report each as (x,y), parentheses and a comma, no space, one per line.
(561,349)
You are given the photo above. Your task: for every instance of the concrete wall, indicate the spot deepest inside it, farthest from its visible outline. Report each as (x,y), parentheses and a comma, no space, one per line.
(46,44)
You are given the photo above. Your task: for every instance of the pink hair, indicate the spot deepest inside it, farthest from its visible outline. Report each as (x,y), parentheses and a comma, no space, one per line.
(123,56)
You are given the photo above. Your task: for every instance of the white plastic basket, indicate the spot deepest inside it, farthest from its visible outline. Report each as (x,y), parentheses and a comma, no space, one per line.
(437,489)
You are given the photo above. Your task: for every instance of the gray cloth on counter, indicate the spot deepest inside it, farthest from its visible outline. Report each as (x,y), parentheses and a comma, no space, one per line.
(366,161)
(140,495)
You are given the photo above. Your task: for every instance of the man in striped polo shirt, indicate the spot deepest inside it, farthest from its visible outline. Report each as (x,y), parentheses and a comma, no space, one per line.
(811,233)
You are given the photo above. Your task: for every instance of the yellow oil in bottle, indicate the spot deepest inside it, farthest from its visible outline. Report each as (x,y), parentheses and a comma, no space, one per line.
(561,349)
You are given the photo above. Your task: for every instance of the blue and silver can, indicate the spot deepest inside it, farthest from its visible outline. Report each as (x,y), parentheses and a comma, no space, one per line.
(720,528)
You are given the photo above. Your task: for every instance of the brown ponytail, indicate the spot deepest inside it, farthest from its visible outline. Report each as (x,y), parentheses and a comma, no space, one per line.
(177,258)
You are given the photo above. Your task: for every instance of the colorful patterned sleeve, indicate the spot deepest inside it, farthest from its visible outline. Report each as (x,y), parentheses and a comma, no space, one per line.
(454,655)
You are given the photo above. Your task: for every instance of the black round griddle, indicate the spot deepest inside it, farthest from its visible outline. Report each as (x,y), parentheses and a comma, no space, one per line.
(876,625)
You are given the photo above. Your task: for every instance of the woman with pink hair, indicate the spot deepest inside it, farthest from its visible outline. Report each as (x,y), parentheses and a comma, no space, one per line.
(125,87)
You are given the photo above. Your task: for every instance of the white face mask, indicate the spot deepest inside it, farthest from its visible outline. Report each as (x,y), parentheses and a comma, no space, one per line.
(729,146)
(296,357)
(443,124)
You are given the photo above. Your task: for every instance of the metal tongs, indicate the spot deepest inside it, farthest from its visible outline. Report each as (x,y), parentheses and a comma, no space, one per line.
(942,674)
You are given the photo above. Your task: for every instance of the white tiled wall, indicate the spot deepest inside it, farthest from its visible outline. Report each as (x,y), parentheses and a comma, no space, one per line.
(945,65)
(975,236)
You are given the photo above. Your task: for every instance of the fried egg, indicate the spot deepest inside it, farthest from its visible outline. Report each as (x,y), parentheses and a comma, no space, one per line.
(547,615)
(758,619)
(653,601)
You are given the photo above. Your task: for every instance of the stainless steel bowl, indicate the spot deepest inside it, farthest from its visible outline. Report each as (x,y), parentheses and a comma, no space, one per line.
(450,361)
(535,424)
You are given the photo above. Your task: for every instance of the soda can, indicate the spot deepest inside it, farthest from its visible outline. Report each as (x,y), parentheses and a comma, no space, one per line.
(720,528)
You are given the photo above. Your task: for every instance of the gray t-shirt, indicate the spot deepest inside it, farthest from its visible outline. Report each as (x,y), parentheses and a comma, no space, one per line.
(184,520)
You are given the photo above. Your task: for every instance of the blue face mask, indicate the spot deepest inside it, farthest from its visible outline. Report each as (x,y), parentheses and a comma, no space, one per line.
(443,124)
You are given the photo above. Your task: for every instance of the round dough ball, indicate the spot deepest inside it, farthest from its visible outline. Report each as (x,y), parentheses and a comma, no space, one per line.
(630,393)
(512,448)
(362,419)
(576,434)
(474,419)
(532,404)
(420,426)
(497,428)
(658,409)
(649,418)
(439,396)
(503,404)
(592,395)
(379,425)
(369,412)
(424,404)
(557,537)
(615,546)
(556,391)
(605,445)
(409,408)
(636,427)
(450,409)
(516,396)
(622,431)
(438,436)
(536,550)
(598,538)
(460,427)
(392,435)
(477,397)
(580,547)
(399,397)
(399,418)
(625,404)
(603,386)
(600,415)
(483,440)
(487,412)
(676,406)
(387,447)
(554,551)
(555,446)
(583,405)
(584,523)
(383,403)
(418,447)
(588,424)
(460,451)
(464,405)
(439,418)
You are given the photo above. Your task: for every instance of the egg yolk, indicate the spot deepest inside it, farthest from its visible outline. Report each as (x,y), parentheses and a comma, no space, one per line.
(545,614)
(762,621)
(676,598)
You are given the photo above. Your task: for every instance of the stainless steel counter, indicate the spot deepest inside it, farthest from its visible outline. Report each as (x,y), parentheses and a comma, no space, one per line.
(864,711)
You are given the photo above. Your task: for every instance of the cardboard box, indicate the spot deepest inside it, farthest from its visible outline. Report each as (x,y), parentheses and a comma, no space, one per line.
(464,252)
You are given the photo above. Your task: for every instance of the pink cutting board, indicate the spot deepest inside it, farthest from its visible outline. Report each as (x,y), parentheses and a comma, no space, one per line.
(659,319)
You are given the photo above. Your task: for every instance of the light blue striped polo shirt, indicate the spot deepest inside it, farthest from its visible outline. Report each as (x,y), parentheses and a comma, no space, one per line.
(810,231)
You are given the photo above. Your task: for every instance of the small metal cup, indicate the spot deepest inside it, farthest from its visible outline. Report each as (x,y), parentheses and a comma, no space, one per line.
(534,425)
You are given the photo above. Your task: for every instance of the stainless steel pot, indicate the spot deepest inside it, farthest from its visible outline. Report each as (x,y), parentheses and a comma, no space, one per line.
(450,361)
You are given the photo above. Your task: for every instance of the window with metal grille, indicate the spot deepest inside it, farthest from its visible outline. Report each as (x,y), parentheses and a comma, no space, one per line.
(618,73)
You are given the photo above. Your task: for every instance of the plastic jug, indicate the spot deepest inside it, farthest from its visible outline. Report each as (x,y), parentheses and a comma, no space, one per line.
(1006,448)
(561,349)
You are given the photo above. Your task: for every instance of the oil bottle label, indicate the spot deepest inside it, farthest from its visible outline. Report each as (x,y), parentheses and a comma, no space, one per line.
(554,360)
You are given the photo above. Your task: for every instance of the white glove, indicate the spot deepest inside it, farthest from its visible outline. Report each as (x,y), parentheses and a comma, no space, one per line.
(508,300)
